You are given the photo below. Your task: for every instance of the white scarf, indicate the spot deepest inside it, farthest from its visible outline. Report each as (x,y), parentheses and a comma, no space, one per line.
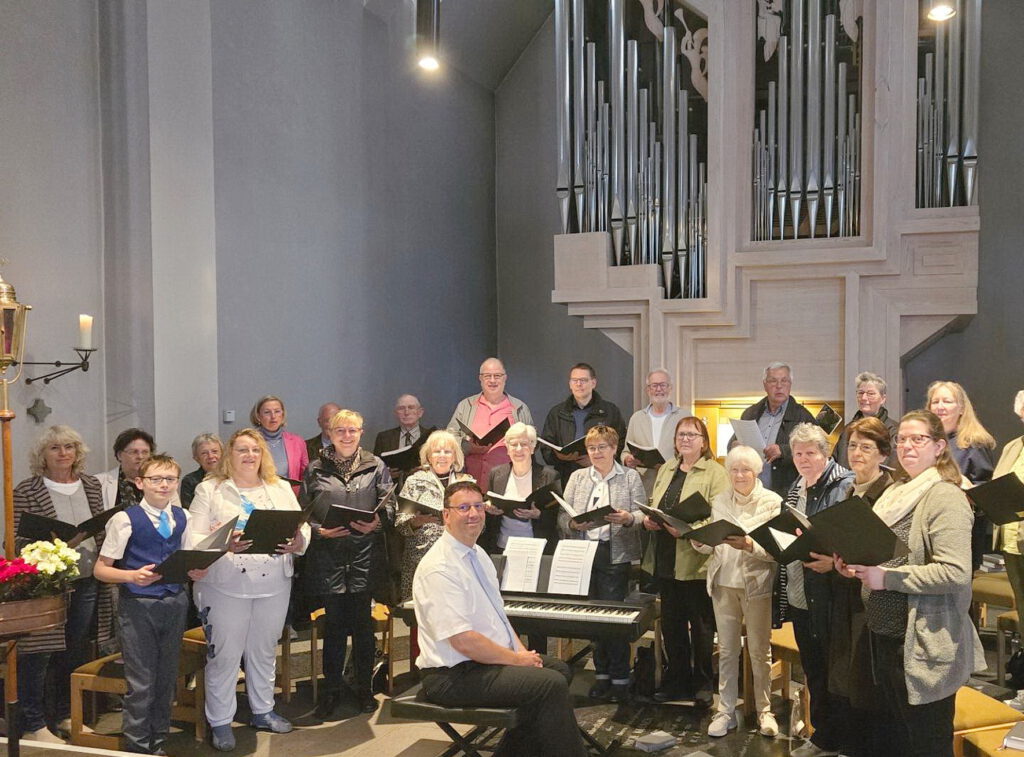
(897,501)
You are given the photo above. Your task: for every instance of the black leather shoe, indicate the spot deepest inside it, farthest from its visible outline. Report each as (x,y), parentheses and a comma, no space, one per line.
(367,703)
(670,694)
(600,689)
(327,704)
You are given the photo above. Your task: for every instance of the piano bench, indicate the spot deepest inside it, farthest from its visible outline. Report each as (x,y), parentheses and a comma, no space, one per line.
(486,721)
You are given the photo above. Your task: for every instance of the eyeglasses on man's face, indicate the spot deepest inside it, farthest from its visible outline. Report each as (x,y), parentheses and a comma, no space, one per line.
(466,507)
(492,376)
(157,480)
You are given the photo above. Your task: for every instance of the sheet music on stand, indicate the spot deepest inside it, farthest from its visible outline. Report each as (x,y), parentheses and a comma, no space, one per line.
(522,564)
(571,566)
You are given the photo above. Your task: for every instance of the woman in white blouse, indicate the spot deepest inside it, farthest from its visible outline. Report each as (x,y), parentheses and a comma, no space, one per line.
(243,599)
(740,577)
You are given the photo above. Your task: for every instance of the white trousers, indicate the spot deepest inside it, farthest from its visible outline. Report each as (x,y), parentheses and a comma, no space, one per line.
(236,628)
(732,610)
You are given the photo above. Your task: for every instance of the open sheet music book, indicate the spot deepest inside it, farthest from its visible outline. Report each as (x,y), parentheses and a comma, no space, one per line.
(522,564)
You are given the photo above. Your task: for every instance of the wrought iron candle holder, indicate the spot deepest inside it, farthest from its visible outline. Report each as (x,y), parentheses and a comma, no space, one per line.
(63,367)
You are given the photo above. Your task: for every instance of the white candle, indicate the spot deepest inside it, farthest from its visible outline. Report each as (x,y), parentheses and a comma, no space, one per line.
(85,332)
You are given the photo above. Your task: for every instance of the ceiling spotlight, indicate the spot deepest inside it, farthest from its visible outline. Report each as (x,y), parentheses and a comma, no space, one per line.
(428,33)
(941,10)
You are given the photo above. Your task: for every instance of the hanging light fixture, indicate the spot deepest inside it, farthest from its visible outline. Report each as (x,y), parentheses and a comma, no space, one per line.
(428,32)
(941,10)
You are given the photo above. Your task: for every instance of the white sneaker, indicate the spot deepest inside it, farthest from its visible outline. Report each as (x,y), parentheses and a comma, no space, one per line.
(810,749)
(721,724)
(43,735)
(1017,702)
(767,725)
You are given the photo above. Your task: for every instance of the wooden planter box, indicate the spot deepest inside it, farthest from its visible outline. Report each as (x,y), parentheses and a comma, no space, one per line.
(26,616)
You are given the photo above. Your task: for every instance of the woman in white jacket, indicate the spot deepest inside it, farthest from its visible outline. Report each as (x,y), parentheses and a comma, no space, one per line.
(740,576)
(243,599)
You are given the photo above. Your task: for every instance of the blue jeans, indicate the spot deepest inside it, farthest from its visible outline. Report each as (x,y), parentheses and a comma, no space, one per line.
(610,581)
(32,668)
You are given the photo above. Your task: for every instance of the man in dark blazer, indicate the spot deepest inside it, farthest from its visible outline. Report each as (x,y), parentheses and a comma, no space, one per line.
(408,412)
(570,419)
(323,419)
(777,415)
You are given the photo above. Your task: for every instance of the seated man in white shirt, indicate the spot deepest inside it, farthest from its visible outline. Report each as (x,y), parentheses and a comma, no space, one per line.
(469,654)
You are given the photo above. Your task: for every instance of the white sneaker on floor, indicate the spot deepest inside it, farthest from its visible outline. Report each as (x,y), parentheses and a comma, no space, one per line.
(43,735)
(1017,702)
(721,724)
(767,725)
(810,749)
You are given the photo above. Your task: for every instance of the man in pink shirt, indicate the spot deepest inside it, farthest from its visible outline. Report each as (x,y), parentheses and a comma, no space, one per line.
(482,412)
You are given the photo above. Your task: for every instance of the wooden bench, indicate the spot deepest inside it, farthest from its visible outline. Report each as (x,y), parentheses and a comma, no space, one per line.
(978,713)
(990,589)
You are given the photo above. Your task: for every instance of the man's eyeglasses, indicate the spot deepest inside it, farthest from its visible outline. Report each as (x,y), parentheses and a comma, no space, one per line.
(492,376)
(660,386)
(465,508)
(156,480)
(580,381)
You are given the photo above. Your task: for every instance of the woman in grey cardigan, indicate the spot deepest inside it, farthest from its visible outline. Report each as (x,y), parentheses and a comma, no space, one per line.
(606,482)
(924,646)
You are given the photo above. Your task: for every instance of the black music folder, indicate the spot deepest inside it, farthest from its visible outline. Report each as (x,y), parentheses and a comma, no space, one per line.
(714,533)
(540,497)
(174,570)
(854,532)
(575,447)
(268,529)
(339,515)
(404,458)
(420,507)
(662,518)
(493,436)
(40,528)
(779,533)
(1001,499)
(692,509)
(828,419)
(594,518)
(648,457)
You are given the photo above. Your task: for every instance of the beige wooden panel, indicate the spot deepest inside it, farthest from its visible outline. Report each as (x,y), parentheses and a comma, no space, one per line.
(797,321)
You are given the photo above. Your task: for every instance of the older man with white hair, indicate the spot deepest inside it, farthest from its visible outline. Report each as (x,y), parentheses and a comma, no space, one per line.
(777,414)
(653,425)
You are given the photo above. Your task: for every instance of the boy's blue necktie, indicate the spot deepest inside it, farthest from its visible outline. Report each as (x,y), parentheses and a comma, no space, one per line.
(164,528)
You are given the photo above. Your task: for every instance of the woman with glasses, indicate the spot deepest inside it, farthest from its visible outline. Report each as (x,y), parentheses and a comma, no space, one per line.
(868,447)
(688,619)
(345,565)
(923,644)
(243,599)
(971,446)
(58,488)
(607,483)
(516,480)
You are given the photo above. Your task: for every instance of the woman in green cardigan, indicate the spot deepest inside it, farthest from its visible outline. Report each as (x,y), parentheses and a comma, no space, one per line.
(687,618)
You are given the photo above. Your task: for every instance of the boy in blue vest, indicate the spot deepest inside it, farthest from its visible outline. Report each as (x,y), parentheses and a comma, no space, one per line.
(151,615)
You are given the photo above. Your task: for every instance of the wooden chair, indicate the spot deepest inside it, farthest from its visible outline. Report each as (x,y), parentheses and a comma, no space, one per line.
(977,713)
(106,675)
(990,589)
(785,654)
(383,623)
(1006,623)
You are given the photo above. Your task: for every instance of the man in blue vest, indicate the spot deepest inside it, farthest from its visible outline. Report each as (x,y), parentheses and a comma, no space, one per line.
(151,615)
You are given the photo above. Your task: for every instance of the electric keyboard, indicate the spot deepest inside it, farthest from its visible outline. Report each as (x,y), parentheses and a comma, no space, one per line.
(577,618)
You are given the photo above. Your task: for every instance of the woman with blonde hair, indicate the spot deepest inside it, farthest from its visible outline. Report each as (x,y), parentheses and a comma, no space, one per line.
(58,488)
(971,446)
(243,599)
(923,646)
(441,461)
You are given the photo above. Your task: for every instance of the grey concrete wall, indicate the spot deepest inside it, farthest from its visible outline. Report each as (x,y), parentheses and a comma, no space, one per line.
(355,232)
(538,340)
(51,207)
(987,357)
